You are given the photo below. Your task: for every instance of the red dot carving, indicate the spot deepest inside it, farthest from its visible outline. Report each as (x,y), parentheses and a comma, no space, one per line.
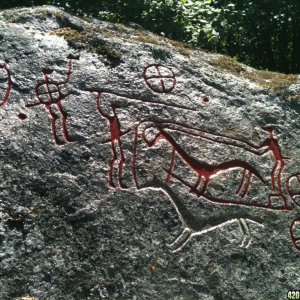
(49,93)
(205,99)
(22,116)
(159,78)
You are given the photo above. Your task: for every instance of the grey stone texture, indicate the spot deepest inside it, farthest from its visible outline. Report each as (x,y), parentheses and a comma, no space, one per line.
(132,168)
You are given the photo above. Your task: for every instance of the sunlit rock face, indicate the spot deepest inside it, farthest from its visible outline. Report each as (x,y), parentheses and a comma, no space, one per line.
(131,168)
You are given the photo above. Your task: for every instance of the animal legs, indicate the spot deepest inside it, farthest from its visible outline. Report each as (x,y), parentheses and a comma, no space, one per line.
(205,185)
(245,232)
(181,240)
(249,181)
(193,189)
(242,183)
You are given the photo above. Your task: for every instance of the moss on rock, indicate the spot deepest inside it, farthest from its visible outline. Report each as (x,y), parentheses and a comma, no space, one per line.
(90,41)
(266,79)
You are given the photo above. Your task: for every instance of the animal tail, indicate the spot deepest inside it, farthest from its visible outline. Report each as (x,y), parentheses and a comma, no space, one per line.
(241,164)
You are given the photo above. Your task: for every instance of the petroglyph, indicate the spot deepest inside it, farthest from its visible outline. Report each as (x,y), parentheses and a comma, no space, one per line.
(50,93)
(5,87)
(159,78)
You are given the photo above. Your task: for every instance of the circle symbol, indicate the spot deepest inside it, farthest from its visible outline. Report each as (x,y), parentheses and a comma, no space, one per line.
(159,78)
(295,233)
(293,188)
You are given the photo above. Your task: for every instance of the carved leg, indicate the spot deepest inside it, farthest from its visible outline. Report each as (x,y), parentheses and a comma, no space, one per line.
(278,198)
(273,175)
(246,233)
(248,185)
(111,166)
(242,183)
(64,123)
(181,241)
(243,223)
(121,164)
(194,188)
(204,188)
(53,124)
(281,169)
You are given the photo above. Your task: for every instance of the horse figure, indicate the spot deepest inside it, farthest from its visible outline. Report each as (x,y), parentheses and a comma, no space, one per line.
(202,169)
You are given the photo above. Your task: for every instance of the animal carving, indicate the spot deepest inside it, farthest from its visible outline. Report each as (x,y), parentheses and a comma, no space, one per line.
(202,169)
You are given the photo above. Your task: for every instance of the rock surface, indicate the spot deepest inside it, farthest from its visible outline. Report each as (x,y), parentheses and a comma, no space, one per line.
(114,142)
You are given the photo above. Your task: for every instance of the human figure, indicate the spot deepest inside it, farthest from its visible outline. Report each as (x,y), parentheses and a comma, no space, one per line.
(49,94)
(8,83)
(271,145)
(115,140)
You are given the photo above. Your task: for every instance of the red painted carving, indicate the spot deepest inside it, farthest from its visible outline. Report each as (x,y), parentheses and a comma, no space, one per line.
(116,134)
(205,100)
(134,159)
(202,169)
(22,116)
(5,98)
(294,192)
(159,79)
(115,139)
(49,93)
(162,80)
(271,145)
(207,171)
(295,233)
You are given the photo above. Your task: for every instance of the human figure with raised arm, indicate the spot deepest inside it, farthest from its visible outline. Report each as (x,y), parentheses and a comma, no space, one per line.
(49,92)
(115,140)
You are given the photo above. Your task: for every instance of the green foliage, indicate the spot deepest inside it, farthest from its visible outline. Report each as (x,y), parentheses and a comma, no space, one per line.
(262,33)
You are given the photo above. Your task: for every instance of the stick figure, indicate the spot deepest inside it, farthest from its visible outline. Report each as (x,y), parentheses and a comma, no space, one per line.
(8,83)
(49,93)
(271,145)
(115,139)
